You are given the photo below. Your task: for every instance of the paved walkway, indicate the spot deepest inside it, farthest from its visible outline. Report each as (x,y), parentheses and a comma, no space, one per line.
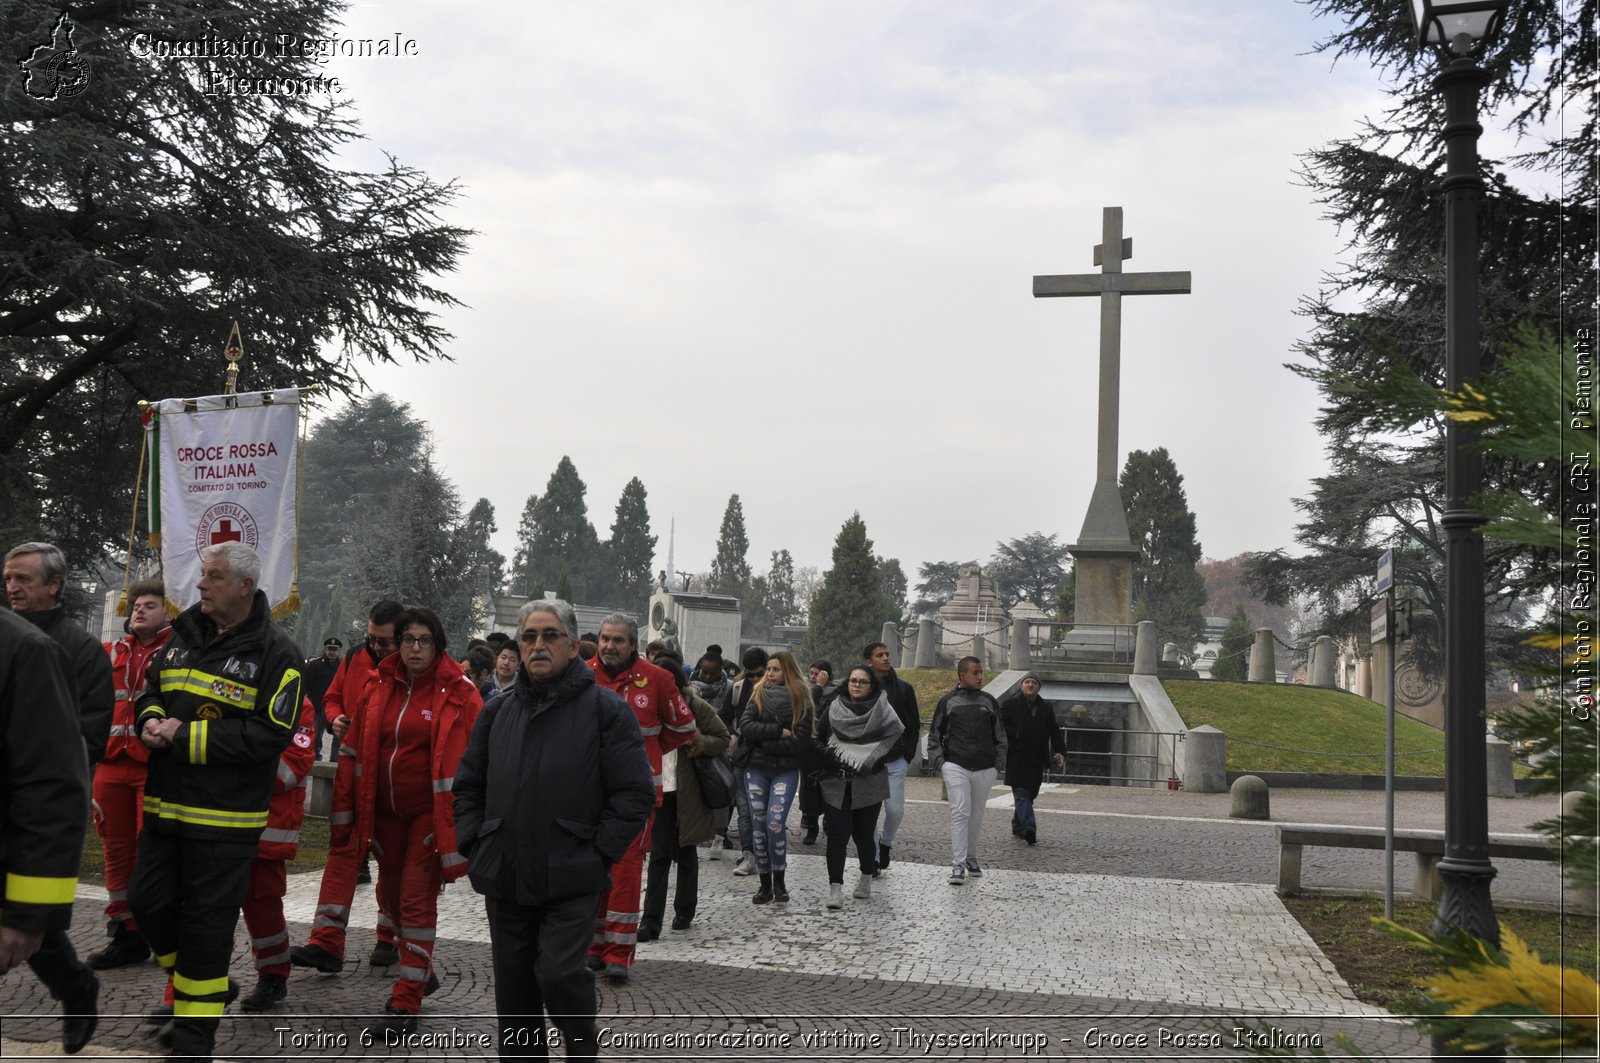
(1142,925)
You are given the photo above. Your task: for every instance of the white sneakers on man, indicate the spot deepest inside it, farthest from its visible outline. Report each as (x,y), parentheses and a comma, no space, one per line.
(863,888)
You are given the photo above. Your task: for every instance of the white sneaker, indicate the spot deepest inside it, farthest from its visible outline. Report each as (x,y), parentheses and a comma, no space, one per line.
(958,875)
(717,846)
(836,895)
(863,888)
(746,865)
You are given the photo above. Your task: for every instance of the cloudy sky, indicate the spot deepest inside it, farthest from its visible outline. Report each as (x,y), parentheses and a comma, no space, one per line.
(787,250)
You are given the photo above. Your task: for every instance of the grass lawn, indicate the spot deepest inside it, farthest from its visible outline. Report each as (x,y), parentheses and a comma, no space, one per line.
(931,684)
(1386,971)
(1270,728)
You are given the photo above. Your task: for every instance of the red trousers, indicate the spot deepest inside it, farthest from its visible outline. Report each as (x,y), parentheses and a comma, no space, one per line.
(616,923)
(118,814)
(263,916)
(409,876)
(333,901)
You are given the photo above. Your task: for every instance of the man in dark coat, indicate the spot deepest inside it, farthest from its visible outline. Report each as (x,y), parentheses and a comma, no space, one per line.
(35,575)
(552,790)
(1031,736)
(317,675)
(903,699)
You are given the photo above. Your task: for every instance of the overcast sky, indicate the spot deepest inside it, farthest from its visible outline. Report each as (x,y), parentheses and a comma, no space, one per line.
(787,250)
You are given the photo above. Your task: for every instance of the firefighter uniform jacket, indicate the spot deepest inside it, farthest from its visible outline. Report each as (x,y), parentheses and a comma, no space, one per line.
(88,674)
(665,719)
(44,781)
(454,703)
(238,695)
(287,810)
(130,663)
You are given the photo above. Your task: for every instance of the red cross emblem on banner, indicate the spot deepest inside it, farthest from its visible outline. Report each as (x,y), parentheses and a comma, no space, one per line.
(226,533)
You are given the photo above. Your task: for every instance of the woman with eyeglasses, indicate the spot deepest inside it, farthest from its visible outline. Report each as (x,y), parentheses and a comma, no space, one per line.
(775,729)
(856,735)
(408,736)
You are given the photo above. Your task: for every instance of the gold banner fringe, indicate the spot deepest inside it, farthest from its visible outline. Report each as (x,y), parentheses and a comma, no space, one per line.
(122,603)
(289,605)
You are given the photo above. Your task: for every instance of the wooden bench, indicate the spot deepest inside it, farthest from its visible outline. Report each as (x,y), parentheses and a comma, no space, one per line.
(1427,845)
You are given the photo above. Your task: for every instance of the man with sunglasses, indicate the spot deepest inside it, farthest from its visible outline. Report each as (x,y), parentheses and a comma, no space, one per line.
(346,867)
(552,791)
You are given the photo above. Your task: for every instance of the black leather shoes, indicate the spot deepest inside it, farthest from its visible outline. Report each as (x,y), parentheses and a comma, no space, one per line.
(393,1022)
(648,932)
(316,956)
(269,991)
(80,1014)
(384,954)
(682,922)
(126,948)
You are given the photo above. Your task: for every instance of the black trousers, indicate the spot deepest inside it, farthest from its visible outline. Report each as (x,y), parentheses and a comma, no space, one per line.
(186,894)
(857,823)
(664,852)
(57,966)
(811,804)
(540,967)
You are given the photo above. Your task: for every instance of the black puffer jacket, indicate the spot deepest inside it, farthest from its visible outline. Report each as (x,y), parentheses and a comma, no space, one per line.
(553,788)
(761,726)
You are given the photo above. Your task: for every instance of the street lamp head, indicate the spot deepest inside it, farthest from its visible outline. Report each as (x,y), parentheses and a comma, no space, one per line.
(1464,25)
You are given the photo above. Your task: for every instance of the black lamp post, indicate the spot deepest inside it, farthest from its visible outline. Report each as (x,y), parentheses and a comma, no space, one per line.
(1460,28)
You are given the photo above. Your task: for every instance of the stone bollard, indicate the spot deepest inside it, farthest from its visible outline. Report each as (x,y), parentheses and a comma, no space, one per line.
(1144,649)
(1020,655)
(321,803)
(1249,798)
(1263,666)
(980,650)
(1169,653)
(1499,779)
(890,637)
(1205,764)
(908,652)
(1364,677)
(927,644)
(1323,660)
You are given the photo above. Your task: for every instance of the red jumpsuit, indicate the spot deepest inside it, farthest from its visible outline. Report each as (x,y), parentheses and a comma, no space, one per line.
(343,698)
(409,735)
(119,777)
(263,903)
(667,722)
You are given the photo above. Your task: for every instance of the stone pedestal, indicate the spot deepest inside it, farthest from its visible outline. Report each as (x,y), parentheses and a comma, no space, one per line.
(974,612)
(1322,662)
(1205,765)
(1364,676)
(1020,648)
(1263,661)
(1144,649)
(1498,777)
(927,644)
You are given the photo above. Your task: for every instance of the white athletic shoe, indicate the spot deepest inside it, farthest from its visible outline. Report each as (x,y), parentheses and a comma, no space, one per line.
(717,846)
(836,895)
(746,865)
(863,888)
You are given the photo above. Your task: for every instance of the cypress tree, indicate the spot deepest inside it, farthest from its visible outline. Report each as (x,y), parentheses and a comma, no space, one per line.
(850,608)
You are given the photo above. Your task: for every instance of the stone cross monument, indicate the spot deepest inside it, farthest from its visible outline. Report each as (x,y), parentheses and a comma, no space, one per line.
(1103,555)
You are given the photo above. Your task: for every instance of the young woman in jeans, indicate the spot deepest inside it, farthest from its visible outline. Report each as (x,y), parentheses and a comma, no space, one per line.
(775,729)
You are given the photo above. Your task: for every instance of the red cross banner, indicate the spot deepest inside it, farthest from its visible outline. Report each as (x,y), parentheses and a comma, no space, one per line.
(228,470)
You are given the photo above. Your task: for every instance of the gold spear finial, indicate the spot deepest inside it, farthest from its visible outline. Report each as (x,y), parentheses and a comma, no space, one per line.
(234,353)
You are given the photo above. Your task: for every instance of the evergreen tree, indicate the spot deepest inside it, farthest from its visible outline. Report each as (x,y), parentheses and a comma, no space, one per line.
(631,550)
(145,214)
(485,565)
(851,606)
(1376,347)
(1031,568)
(555,535)
(1167,588)
(895,587)
(772,599)
(355,461)
(407,550)
(1237,638)
(730,572)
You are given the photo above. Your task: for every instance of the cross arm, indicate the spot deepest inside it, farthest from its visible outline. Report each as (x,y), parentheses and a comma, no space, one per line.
(1175,283)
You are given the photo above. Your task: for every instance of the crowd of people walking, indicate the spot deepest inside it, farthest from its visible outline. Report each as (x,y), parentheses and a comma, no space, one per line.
(567,775)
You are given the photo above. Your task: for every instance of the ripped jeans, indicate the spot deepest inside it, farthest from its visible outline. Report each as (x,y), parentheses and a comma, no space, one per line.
(771,794)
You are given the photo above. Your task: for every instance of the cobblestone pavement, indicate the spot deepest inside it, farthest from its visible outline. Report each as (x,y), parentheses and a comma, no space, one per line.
(1142,925)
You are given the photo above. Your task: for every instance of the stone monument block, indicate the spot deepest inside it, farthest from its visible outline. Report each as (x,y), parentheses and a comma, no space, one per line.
(693,622)
(973,613)
(1205,766)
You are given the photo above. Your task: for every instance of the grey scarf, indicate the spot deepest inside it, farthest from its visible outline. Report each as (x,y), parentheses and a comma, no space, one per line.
(862,735)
